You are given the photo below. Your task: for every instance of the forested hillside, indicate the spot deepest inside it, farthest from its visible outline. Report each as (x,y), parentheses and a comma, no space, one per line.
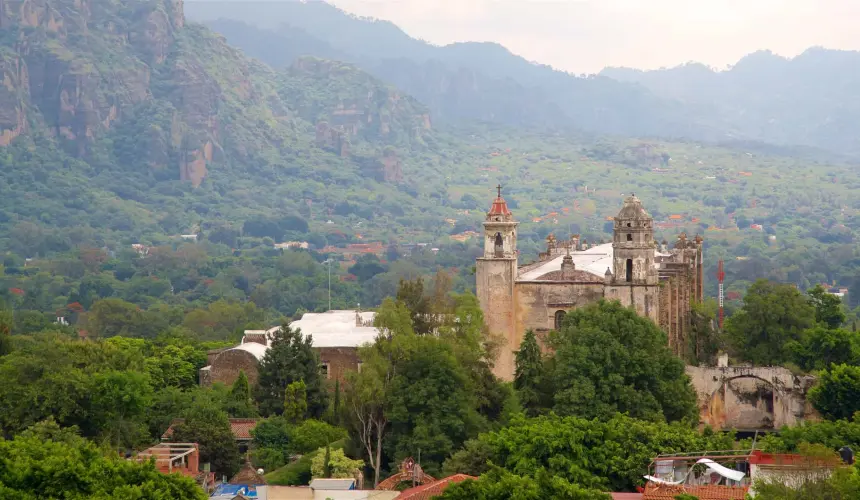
(129,125)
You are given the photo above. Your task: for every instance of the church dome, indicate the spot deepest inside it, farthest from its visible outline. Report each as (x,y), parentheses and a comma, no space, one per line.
(632,209)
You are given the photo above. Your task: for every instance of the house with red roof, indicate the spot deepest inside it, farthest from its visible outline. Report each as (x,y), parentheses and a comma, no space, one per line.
(430,490)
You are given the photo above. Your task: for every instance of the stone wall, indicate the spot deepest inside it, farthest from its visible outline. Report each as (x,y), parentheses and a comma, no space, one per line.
(339,360)
(643,298)
(749,398)
(495,290)
(537,303)
(224,365)
(227,365)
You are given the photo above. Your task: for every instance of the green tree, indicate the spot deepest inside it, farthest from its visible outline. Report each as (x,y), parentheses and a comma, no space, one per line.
(295,401)
(608,359)
(837,394)
(772,315)
(411,294)
(112,316)
(366,402)
(335,407)
(313,434)
(828,307)
(119,401)
(500,484)
(47,461)
(334,463)
(239,402)
(529,377)
(290,358)
(704,343)
(209,427)
(820,346)
(431,404)
(6,322)
(606,455)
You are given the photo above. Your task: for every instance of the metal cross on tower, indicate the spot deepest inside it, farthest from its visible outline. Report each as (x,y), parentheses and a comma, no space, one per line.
(499,189)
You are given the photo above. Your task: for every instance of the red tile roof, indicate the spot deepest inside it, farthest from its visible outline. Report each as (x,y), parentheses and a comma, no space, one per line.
(626,496)
(667,492)
(428,491)
(241,428)
(500,207)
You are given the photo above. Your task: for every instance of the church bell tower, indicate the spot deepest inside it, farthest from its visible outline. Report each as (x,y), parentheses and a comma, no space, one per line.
(633,245)
(495,274)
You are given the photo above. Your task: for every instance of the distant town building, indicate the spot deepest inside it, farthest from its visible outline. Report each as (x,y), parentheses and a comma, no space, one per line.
(658,282)
(336,337)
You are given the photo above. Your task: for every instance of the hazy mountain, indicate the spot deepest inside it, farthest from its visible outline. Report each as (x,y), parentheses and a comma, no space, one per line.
(482,81)
(812,99)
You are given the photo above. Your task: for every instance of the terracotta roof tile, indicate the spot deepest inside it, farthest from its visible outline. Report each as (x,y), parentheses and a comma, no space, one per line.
(626,496)
(241,428)
(667,492)
(428,491)
(500,207)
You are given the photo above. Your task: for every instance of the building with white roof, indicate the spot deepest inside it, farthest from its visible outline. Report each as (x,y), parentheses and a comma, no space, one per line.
(336,336)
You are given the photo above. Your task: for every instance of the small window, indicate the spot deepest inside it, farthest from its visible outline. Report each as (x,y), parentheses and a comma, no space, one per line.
(629,225)
(629,237)
(324,371)
(559,319)
(629,270)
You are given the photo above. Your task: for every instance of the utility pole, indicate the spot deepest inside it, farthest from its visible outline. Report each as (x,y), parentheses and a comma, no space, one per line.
(328,261)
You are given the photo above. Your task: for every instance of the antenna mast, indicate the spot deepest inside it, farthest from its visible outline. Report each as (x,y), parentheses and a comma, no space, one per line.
(721,275)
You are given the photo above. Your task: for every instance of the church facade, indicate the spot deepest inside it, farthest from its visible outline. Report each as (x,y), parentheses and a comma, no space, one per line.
(659,282)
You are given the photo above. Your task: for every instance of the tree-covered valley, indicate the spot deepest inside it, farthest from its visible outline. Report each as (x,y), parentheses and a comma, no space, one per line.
(171,175)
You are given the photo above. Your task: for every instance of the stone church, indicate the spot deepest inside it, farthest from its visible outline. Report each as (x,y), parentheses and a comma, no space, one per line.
(659,282)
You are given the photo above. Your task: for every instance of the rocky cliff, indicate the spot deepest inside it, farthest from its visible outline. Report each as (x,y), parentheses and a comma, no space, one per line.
(132,80)
(346,102)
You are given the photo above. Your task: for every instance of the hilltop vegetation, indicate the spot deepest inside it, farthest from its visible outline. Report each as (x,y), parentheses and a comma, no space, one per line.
(171,131)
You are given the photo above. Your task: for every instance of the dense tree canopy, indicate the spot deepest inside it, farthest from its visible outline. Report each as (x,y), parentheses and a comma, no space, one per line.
(530,379)
(608,455)
(837,393)
(290,359)
(46,461)
(608,360)
(772,315)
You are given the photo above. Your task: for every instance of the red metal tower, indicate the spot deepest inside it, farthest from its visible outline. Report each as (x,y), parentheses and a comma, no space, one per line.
(721,275)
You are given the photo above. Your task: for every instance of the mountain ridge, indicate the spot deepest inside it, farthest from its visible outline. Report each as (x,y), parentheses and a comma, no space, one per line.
(481,81)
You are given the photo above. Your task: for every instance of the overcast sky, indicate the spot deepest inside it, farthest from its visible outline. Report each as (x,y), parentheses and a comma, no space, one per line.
(587,35)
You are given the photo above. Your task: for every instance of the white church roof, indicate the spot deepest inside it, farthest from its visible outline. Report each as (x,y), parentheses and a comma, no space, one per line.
(258,350)
(337,328)
(595,260)
(330,329)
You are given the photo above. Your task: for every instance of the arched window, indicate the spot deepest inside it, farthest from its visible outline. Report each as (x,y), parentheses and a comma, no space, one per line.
(499,245)
(629,237)
(629,270)
(559,318)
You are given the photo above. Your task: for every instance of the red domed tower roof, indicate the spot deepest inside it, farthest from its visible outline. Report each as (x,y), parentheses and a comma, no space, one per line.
(500,207)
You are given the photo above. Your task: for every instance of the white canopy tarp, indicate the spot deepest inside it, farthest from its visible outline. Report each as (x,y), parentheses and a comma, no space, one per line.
(734,475)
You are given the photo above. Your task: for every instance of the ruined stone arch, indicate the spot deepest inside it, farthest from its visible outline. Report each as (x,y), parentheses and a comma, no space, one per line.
(743,402)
